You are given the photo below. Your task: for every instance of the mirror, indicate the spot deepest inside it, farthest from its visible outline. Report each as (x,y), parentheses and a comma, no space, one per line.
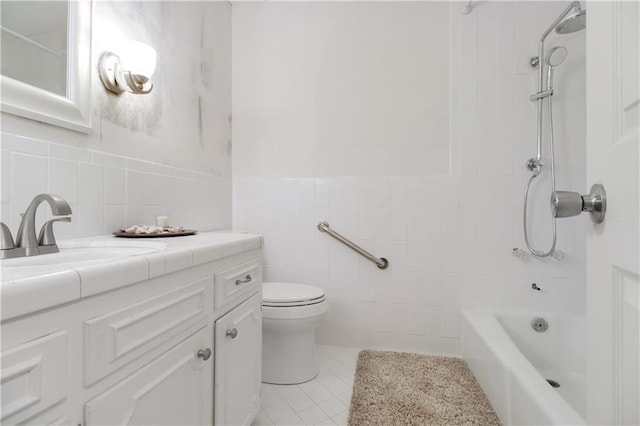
(46,61)
(34,43)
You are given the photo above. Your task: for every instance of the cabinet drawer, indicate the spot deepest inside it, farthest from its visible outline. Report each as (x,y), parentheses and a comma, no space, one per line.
(241,280)
(115,339)
(34,377)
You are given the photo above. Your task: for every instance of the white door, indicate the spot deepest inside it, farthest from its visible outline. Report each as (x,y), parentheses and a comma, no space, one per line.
(174,389)
(238,364)
(613,297)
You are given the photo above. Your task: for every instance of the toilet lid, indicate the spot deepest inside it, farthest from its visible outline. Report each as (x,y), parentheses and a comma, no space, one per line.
(289,294)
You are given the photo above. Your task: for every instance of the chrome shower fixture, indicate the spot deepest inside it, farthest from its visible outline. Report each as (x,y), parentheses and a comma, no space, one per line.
(572,23)
(555,57)
(565,24)
(535,164)
(572,19)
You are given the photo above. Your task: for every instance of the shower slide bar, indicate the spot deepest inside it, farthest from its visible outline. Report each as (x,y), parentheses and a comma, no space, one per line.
(380,262)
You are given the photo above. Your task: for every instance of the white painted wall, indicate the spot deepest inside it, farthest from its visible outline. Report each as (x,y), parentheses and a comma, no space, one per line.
(346,88)
(448,233)
(162,153)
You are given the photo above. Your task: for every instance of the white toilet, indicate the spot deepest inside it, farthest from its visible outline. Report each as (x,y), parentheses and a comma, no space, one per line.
(291,313)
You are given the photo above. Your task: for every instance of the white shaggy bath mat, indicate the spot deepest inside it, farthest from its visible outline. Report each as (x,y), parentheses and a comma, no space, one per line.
(395,388)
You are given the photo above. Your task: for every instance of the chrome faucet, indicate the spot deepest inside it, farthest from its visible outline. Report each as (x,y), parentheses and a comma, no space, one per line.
(26,243)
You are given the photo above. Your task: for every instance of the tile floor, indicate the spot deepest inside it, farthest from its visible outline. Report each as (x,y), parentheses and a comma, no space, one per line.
(324,400)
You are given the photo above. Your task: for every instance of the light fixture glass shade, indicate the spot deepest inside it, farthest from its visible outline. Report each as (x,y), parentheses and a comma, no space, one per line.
(138,58)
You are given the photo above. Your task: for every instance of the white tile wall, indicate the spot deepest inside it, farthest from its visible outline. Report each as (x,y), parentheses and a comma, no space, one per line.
(449,239)
(107,192)
(434,269)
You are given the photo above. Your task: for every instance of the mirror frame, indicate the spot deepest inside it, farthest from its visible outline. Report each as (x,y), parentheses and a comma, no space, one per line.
(73,111)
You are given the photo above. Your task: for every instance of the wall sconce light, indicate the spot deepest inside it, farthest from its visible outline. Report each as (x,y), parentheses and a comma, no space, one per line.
(131,70)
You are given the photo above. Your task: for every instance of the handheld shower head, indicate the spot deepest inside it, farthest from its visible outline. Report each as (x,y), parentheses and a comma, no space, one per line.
(556,56)
(572,23)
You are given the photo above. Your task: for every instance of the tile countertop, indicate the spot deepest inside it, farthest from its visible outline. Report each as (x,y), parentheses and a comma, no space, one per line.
(58,283)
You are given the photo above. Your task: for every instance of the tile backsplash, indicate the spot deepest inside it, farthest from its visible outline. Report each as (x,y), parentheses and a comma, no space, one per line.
(107,192)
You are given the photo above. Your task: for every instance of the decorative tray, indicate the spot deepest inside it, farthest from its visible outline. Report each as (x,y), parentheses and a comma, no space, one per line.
(183,233)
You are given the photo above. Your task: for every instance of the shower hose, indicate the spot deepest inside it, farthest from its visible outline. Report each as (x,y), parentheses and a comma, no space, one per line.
(535,174)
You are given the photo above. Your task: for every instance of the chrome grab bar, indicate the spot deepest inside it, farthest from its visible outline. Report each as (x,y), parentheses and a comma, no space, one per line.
(380,262)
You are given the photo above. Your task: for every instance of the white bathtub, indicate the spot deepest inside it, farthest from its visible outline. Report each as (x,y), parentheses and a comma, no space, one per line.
(512,362)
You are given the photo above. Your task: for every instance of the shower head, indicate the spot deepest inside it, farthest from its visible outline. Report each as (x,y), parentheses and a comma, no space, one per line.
(556,56)
(572,23)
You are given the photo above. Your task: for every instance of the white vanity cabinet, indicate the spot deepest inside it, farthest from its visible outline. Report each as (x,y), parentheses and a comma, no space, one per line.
(174,389)
(173,329)
(180,348)
(238,364)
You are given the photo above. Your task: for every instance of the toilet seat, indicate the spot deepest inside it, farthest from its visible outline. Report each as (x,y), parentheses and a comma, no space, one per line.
(293,304)
(288,294)
(292,301)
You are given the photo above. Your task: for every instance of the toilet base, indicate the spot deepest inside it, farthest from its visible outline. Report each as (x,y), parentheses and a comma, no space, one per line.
(289,350)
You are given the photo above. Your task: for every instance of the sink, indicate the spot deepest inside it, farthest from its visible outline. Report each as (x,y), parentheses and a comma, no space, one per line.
(74,256)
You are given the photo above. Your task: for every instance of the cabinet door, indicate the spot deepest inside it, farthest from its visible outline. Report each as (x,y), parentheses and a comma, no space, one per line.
(118,338)
(176,388)
(238,364)
(33,377)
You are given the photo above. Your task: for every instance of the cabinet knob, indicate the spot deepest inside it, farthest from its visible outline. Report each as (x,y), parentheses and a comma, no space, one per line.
(205,354)
(232,333)
(246,279)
